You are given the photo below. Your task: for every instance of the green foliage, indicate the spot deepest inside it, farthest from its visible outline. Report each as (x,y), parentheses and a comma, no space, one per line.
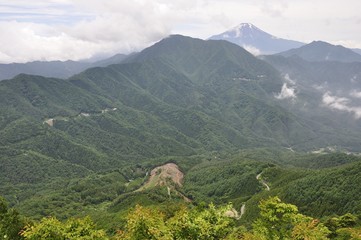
(51,228)
(205,223)
(280,220)
(276,219)
(145,223)
(331,191)
(10,222)
(222,180)
(338,225)
(310,229)
(348,234)
(185,100)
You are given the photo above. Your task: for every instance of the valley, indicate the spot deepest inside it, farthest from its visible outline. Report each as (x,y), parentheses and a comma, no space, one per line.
(184,125)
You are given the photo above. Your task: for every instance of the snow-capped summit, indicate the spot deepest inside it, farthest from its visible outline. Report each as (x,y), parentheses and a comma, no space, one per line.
(245,30)
(255,40)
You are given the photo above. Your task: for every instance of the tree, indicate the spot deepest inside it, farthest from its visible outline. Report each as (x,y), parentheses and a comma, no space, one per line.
(309,229)
(10,222)
(207,223)
(199,223)
(339,226)
(145,223)
(280,220)
(73,229)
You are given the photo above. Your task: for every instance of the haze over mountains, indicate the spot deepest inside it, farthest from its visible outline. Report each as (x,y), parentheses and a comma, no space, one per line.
(57,69)
(245,35)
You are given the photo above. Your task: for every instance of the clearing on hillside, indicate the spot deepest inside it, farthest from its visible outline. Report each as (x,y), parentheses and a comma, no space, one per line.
(165,175)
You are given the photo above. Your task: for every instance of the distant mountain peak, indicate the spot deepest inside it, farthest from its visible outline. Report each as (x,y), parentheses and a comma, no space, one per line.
(243,30)
(243,26)
(250,26)
(256,40)
(318,51)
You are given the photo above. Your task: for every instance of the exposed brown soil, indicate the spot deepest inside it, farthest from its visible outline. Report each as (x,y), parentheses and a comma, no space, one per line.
(159,176)
(167,175)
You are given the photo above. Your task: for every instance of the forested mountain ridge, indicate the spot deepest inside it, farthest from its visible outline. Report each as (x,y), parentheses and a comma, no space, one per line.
(87,143)
(178,97)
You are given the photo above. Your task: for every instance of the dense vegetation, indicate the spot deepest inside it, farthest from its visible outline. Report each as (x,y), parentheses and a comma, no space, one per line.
(84,146)
(277,220)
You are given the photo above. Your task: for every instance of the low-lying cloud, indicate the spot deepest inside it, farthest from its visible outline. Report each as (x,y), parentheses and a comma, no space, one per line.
(286,92)
(255,51)
(341,104)
(289,80)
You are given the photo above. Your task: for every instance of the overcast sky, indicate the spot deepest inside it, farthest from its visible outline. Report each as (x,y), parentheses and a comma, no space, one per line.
(79,29)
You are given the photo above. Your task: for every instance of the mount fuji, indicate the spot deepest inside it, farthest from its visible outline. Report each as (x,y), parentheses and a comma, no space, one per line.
(256,40)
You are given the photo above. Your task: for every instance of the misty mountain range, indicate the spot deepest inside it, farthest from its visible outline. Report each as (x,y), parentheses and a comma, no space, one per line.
(57,69)
(245,35)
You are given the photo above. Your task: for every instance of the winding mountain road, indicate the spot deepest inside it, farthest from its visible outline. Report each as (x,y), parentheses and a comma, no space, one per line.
(262,181)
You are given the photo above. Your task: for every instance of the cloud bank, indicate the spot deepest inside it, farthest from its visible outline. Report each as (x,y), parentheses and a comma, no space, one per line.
(78,29)
(109,27)
(341,104)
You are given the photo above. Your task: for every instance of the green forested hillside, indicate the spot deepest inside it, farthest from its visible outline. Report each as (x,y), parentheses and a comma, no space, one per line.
(85,145)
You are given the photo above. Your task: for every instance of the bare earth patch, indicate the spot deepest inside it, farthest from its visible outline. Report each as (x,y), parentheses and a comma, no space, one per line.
(50,122)
(167,174)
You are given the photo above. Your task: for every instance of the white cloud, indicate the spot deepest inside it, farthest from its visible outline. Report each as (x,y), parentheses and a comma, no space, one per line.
(289,80)
(28,42)
(341,104)
(286,92)
(77,29)
(255,51)
(115,26)
(356,94)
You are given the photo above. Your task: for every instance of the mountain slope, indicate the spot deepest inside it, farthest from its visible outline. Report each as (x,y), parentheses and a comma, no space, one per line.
(326,93)
(179,97)
(318,51)
(87,142)
(155,105)
(255,40)
(320,193)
